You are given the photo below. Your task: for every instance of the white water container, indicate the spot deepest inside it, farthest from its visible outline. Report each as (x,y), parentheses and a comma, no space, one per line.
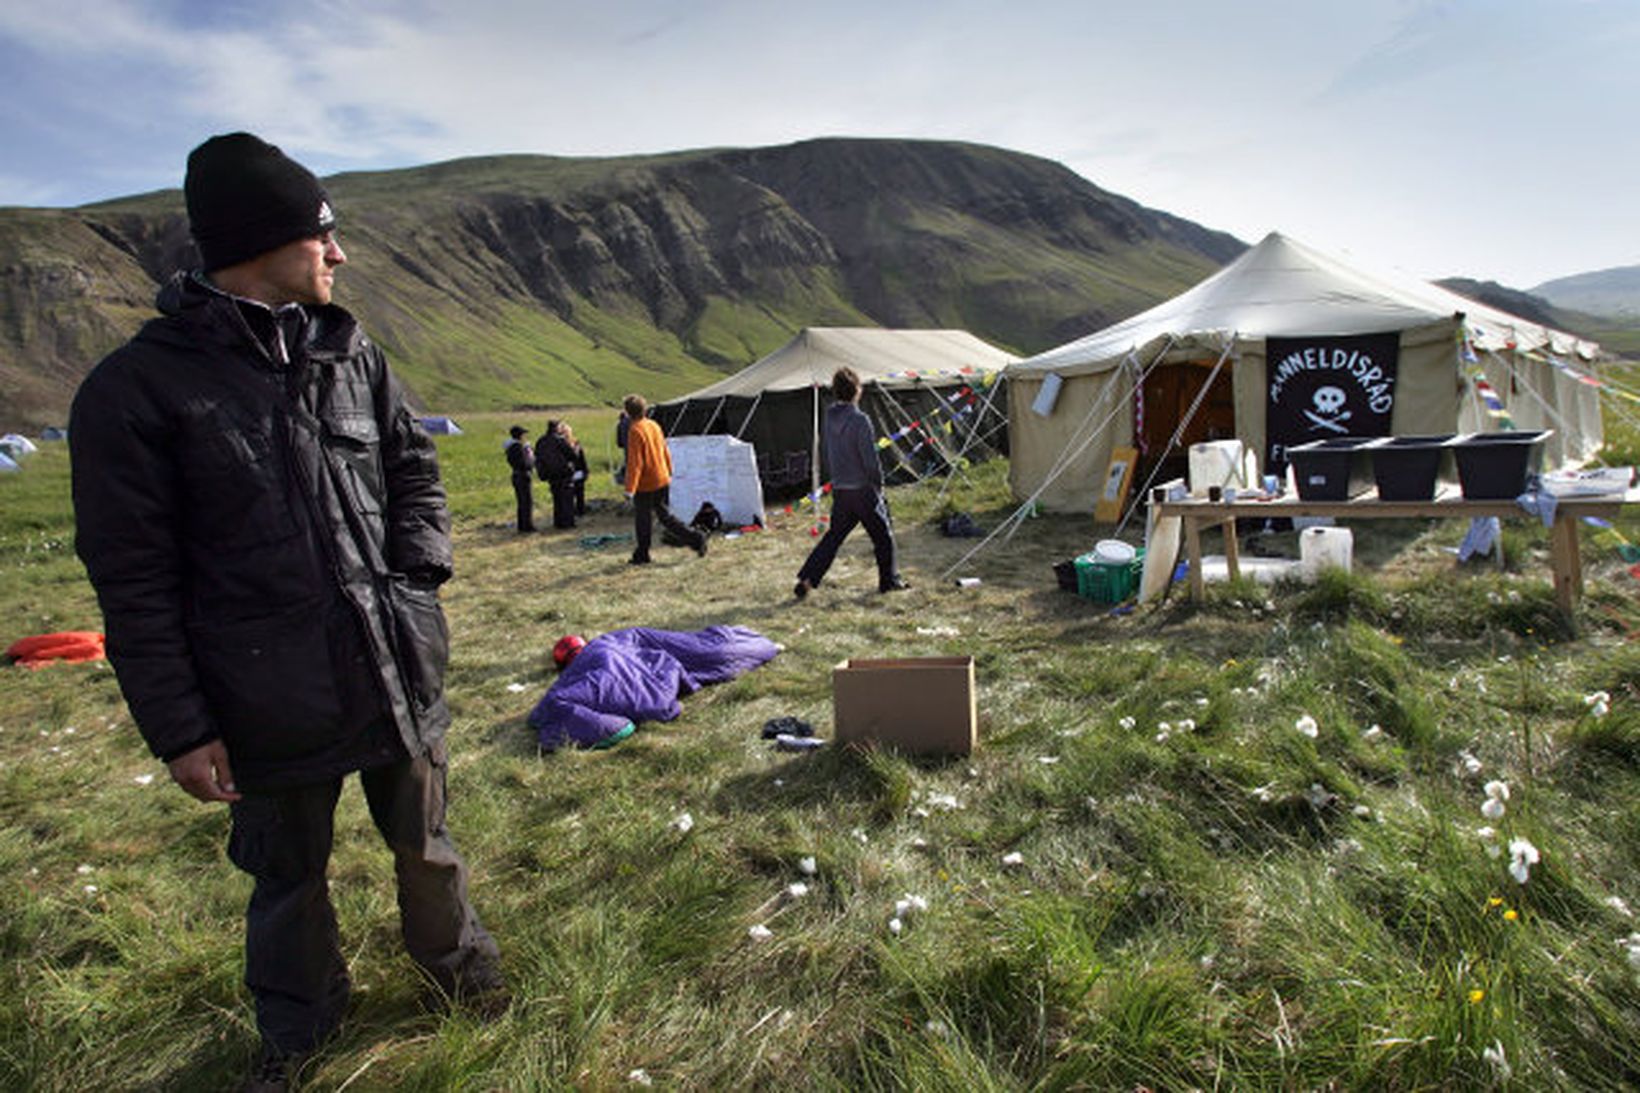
(1222,463)
(1319,548)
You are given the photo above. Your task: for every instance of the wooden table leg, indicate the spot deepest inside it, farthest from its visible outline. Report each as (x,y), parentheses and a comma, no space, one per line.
(1232,556)
(1193,552)
(1567,562)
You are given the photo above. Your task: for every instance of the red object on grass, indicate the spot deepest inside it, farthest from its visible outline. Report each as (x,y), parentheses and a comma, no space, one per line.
(73,646)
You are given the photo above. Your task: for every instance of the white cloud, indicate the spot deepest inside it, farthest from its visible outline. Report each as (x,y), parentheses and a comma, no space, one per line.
(1485,137)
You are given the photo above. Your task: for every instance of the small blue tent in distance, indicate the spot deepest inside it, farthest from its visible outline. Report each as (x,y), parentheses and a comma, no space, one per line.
(441,426)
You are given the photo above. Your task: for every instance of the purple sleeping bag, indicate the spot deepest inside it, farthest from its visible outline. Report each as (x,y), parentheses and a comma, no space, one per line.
(638,674)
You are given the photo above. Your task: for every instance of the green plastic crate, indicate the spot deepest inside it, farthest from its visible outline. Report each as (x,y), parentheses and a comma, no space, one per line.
(1103,582)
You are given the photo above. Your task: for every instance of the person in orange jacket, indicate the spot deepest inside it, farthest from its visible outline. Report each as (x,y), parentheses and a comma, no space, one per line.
(648,478)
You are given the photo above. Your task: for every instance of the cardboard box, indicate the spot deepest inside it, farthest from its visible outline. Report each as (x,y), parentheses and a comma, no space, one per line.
(919,705)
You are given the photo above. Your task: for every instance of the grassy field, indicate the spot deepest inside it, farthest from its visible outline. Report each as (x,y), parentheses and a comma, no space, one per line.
(1233,845)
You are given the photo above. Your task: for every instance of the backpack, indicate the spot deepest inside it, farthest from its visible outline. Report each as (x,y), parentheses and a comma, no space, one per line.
(551,459)
(707,518)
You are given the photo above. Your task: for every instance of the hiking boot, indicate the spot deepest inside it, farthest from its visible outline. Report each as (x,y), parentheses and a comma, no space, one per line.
(898,584)
(482,992)
(272,1071)
(801,590)
(635,560)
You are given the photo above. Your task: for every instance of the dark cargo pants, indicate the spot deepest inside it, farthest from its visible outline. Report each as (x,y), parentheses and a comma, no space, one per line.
(293,962)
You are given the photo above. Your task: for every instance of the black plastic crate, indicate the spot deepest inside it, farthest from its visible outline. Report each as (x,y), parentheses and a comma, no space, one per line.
(1335,469)
(1411,468)
(1498,466)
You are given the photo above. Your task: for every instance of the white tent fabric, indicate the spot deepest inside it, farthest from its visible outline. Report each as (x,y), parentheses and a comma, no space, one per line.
(887,357)
(15,444)
(1281,288)
(7,464)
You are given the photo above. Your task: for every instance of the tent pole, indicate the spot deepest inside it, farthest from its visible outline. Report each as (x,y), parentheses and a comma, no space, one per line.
(747,420)
(814,453)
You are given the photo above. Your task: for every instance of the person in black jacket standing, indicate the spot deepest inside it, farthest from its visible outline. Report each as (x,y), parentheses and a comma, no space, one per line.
(521,458)
(265,526)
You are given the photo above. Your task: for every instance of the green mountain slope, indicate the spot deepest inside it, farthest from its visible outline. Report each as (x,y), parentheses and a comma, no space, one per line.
(531,280)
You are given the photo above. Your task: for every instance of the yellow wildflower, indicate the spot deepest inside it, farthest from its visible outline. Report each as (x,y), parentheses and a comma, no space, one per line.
(1511,915)
(1475,996)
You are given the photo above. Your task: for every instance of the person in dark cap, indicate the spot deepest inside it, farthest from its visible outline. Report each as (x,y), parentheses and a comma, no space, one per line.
(521,458)
(264,523)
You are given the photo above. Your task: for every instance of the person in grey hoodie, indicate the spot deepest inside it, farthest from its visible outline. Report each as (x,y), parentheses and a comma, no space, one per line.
(856,490)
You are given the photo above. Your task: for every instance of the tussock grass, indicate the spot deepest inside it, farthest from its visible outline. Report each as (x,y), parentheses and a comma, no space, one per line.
(1203,895)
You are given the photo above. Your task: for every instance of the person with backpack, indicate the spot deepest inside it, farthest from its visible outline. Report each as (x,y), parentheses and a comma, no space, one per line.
(555,463)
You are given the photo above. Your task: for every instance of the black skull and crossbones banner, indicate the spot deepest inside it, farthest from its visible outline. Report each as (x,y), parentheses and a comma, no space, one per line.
(1327,387)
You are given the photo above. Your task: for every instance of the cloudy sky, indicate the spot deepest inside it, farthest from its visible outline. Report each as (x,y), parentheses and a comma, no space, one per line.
(1487,138)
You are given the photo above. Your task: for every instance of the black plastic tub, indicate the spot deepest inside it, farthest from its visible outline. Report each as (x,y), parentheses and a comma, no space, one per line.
(1498,466)
(1335,469)
(1411,468)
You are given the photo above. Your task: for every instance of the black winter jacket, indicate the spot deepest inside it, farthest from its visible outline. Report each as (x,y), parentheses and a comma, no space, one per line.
(265,540)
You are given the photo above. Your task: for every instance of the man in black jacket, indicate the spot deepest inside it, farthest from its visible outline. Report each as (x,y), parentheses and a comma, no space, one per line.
(265,526)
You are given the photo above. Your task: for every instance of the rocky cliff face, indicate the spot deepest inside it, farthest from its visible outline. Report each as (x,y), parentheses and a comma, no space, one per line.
(528,280)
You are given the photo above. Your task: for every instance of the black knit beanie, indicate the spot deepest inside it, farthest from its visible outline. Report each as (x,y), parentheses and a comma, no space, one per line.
(245,197)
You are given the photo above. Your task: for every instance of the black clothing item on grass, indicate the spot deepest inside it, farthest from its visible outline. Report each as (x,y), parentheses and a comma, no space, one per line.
(650,505)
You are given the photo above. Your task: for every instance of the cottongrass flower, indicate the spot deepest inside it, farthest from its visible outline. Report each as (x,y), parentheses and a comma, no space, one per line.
(1522,856)
(1631,946)
(1373,733)
(515,688)
(1307,726)
(807,866)
(1362,811)
(1489,837)
(639,1076)
(797,890)
(1013,857)
(1492,808)
(1497,789)
(1047,760)
(144,779)
(1620,905)
(683,822)
(1126,723)
(1498,1061)
(760,932)
(1187,725)
(895,926)
(1471,765)
(1599,703)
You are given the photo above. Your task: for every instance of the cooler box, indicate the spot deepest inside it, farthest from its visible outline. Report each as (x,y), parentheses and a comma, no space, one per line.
(1411,468)
(1496,466)
(1335,469)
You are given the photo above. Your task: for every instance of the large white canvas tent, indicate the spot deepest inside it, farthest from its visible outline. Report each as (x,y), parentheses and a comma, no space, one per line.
(932,395)
(1213,363)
